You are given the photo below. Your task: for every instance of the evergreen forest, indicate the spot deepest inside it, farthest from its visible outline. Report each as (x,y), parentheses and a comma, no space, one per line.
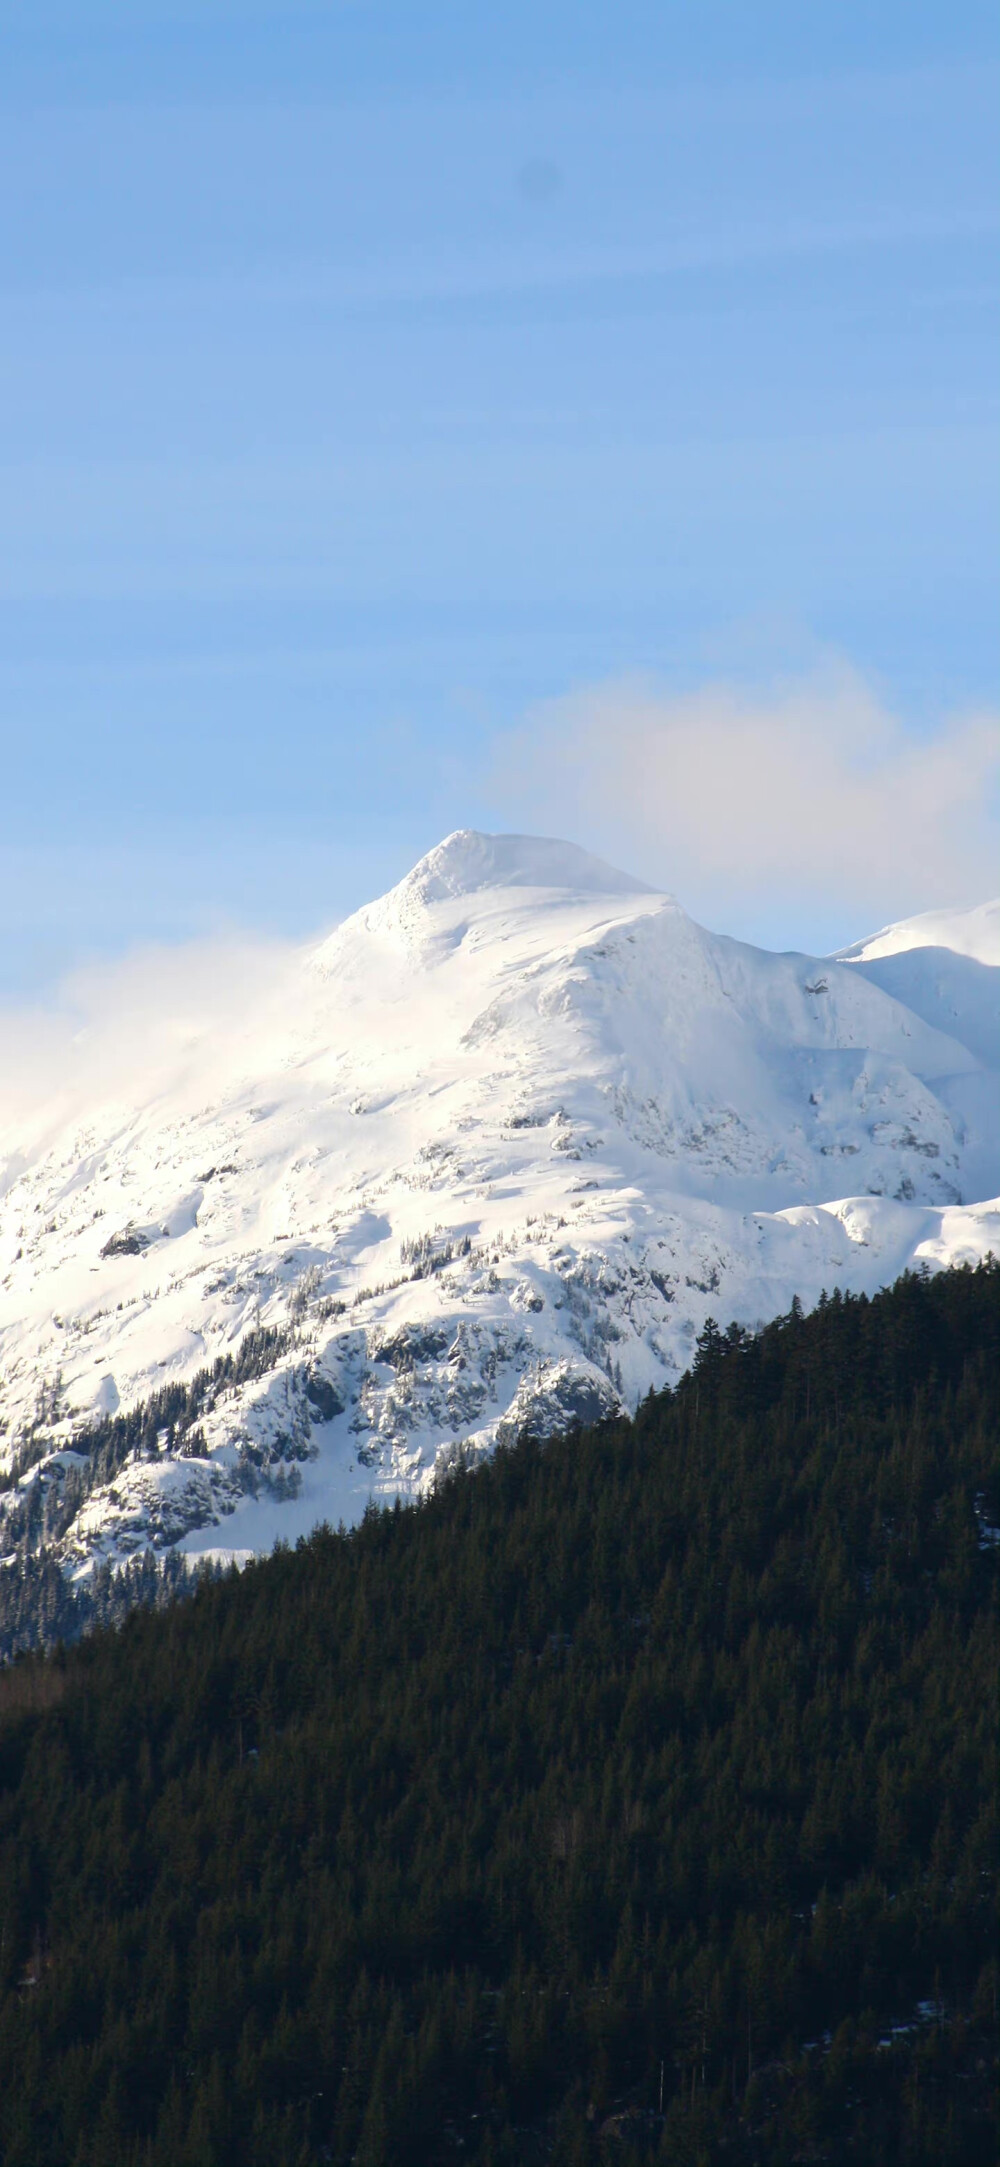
(632,1799)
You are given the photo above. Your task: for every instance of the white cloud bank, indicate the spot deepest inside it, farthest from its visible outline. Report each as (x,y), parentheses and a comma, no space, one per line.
(812,797)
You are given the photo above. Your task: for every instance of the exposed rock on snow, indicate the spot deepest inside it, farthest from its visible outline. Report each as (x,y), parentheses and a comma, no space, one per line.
(485,1162)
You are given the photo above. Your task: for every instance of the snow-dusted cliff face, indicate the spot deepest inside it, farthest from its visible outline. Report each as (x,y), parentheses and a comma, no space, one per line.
(486,1158)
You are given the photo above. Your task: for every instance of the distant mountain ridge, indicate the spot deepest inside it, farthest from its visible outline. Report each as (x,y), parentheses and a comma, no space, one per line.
(485,1159)
(973,933)
(945,966)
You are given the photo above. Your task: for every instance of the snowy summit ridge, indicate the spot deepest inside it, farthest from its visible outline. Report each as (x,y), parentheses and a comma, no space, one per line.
(486,1159)
(468,862)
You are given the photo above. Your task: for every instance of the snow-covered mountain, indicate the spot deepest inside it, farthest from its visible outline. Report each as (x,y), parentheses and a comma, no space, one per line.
(971,933)
(945,965)
(485,1158)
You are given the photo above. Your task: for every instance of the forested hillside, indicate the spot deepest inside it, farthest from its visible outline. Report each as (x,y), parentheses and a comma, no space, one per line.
(632,1798)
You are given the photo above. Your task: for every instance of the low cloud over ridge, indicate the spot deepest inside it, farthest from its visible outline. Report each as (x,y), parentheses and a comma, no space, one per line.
(136,1023)
(813,791)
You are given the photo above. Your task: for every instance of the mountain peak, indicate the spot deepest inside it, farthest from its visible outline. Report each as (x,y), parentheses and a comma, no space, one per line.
(468,861)
(483,1162)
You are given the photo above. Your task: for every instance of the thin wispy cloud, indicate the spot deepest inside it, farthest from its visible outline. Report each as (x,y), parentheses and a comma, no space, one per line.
(118,1031)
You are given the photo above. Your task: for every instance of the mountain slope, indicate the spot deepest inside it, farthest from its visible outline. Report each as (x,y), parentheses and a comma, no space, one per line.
(485,1158)
(945,967)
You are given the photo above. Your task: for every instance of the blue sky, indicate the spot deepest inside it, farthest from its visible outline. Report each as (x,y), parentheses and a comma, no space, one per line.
(386,391)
